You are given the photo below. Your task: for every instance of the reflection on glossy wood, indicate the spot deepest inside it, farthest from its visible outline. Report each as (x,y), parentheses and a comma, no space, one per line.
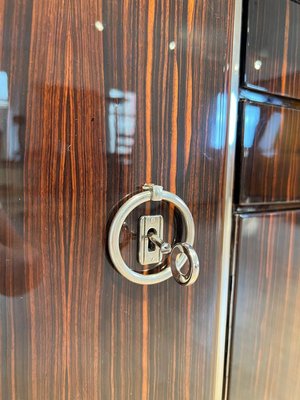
(265,361)
(269,161)
(103,111)
(273,52)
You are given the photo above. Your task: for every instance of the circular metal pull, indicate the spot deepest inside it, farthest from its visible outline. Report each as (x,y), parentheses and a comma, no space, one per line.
(155,193)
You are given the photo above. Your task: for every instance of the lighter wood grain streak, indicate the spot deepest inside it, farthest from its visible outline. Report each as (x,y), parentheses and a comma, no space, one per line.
(285,48)
(189,84)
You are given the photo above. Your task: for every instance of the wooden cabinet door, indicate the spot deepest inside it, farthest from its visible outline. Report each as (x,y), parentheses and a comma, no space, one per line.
(97,98)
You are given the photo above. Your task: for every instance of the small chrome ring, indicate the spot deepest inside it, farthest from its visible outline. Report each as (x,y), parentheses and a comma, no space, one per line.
(176,264)
(115,231)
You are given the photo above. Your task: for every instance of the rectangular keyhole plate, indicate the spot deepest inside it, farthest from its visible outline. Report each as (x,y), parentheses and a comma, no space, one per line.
(149,253)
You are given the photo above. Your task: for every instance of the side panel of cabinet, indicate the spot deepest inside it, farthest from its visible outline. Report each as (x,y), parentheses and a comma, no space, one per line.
(268,168)
(272,61)
(265,359)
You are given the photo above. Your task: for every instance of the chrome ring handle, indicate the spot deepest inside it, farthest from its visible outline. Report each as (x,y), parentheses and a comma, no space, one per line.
(150,193)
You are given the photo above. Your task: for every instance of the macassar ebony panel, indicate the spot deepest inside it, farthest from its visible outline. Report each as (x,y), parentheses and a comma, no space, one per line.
(271,43)
(268,162)
(265,357)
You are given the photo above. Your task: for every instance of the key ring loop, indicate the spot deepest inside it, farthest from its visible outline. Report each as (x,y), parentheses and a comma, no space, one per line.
(151,193)
(191,276)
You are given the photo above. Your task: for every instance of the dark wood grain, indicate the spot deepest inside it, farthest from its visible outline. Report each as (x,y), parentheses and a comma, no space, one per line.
(268,167)
(265,362)
(273,35)
(104,111)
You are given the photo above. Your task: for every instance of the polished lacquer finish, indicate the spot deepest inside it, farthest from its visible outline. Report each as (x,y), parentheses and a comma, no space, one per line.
(97,98)
(265,362)
(268,159)
(272,37)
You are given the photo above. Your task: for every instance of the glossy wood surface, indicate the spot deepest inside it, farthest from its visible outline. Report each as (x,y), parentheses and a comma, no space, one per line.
(272,46)
(265,361)
(268,163)
(105,95)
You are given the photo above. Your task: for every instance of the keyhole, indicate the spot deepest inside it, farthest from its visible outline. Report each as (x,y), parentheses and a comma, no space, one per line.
(151,245)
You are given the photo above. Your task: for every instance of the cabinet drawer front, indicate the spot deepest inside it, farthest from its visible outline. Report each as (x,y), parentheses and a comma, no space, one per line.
(269,157)
(273,51)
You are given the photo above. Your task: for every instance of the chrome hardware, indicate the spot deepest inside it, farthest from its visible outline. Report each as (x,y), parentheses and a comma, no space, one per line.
(165,248)
(149,253)
(177,262)
(151,233)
